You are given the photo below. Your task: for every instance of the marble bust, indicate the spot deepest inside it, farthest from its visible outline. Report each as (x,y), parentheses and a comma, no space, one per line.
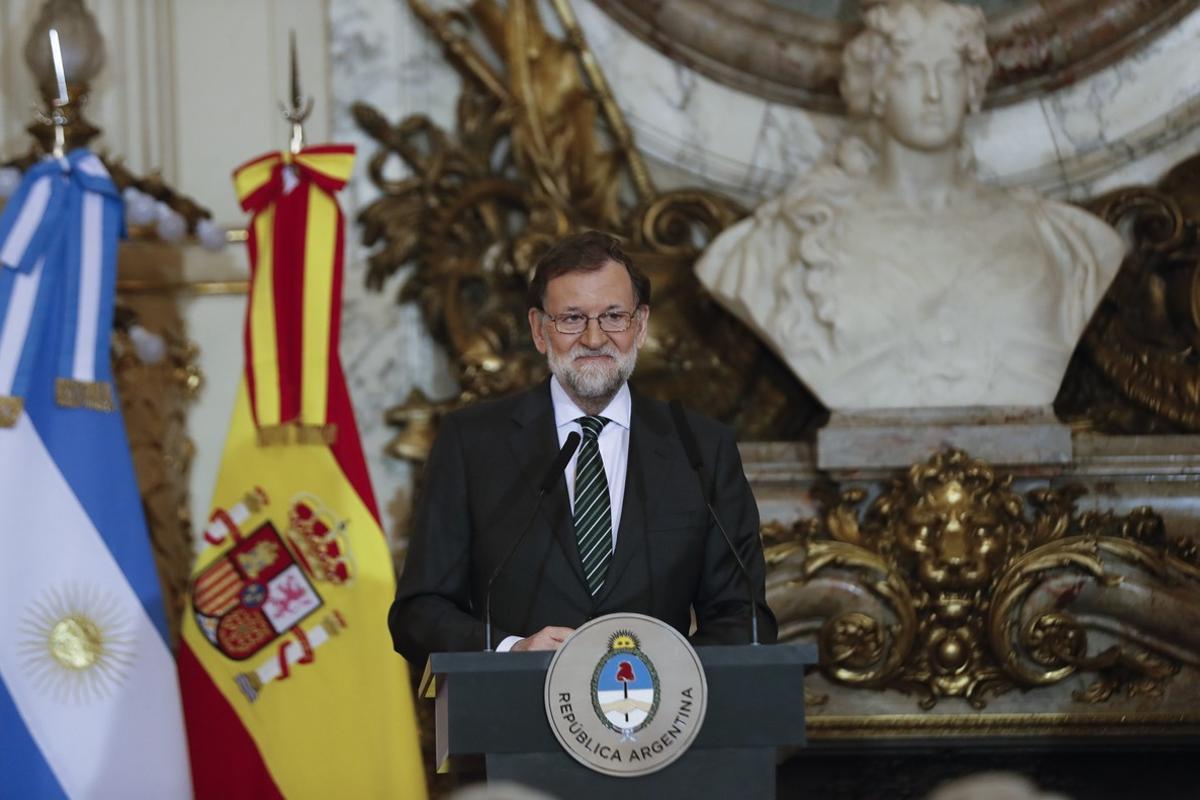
(890,276)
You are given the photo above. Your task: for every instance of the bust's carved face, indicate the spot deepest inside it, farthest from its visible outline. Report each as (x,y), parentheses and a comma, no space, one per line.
(926,94)
(908,50)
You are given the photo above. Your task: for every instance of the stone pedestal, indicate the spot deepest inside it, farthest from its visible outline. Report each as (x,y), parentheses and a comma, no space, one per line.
(895,438)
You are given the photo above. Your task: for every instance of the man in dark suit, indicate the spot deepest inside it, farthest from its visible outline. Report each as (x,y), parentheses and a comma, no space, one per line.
(625,530)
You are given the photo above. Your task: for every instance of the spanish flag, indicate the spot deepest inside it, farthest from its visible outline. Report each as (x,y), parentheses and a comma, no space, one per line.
(290,686)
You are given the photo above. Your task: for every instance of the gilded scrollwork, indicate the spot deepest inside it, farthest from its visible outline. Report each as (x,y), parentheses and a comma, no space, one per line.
(948,583)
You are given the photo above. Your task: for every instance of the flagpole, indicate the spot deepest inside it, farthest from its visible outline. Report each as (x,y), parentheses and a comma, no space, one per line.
(56,115)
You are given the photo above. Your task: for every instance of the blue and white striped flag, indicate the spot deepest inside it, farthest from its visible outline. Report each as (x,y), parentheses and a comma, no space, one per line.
(89,701)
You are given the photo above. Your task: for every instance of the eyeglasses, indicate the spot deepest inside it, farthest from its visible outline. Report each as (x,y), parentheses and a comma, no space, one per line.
(574,323)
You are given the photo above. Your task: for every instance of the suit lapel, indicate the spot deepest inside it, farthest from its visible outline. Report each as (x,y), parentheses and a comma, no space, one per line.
(648,463)
(534,442)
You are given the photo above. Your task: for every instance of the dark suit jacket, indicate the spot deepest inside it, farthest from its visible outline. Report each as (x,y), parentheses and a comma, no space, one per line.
(480,489)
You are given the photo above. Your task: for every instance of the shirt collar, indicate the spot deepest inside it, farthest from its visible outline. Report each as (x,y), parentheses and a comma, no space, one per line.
(566,412)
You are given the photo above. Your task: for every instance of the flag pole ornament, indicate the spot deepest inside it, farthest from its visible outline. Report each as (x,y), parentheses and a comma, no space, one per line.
(301,106)
(58,239)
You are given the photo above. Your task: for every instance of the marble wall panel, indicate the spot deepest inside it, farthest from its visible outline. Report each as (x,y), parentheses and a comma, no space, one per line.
(380,54)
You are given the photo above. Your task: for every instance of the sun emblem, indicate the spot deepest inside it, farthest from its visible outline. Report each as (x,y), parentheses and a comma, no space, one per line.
(76,643)
(623,640)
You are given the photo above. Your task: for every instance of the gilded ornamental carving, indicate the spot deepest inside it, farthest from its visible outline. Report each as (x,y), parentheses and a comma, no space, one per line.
(1137,370)
(532,156)
(949,583)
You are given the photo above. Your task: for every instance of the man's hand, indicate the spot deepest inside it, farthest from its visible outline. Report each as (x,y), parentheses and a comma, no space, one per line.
(548,638)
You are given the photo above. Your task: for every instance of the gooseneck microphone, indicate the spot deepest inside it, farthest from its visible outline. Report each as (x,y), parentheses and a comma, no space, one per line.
(688,440)
(552,476)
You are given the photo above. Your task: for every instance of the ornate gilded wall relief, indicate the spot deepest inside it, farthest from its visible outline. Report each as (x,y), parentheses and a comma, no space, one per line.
(789,51)
(983,596)
(949,584)
(948,601)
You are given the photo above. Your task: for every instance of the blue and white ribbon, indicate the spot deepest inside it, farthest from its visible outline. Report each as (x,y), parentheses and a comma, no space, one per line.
(58,264)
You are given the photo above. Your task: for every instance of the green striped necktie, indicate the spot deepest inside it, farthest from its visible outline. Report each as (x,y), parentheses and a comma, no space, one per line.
(593,515)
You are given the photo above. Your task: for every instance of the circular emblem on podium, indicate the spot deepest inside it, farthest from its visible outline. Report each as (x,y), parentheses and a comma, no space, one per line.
(626,695)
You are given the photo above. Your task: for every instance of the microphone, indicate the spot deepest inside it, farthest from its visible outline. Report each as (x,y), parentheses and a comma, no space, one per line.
(560,463)
(552,475)
(692,451)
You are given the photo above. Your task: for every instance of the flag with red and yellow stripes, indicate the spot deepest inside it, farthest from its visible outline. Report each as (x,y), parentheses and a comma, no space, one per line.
(290,686)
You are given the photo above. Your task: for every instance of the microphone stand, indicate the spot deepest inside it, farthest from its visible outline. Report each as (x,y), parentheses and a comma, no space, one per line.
(552,475)
(688,439)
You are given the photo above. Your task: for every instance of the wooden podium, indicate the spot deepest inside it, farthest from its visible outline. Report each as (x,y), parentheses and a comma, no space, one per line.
(493,704)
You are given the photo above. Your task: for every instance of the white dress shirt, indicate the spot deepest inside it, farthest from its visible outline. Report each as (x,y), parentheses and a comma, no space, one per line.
(614,453)
(613,442)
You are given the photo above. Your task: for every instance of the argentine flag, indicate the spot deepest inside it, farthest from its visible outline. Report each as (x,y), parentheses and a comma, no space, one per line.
(89,703)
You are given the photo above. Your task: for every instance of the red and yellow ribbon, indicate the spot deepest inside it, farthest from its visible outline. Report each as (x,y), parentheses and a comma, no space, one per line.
(293,324)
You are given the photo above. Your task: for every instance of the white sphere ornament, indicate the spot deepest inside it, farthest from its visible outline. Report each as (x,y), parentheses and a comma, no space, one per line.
(140,208)
(10,179)
(211,235)
(150,347)
(170,226)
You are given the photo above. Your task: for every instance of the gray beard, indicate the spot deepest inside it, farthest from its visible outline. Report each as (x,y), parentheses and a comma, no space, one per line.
(593,386)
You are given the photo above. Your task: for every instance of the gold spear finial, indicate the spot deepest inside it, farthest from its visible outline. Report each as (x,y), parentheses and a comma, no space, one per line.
(300,106)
